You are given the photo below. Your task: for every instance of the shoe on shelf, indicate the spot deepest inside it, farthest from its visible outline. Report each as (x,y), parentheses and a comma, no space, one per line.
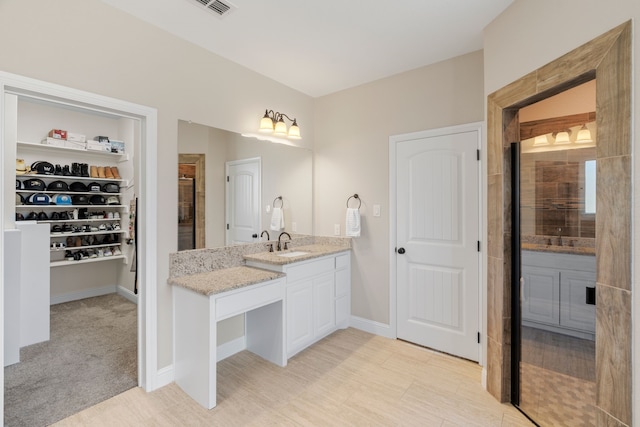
(84,170)
(107,173)
(116,215)
(77,256)
(107,252)
(94,228)
(70,241)
(100,252)
(117,251)
(116,226)
(58,170)
(68,256)
(93,171)
(66,228)
(92,253)
(56,229)
(66,171)
(102,227)
(77,242)
(101,172)
(110,215)
(115,173)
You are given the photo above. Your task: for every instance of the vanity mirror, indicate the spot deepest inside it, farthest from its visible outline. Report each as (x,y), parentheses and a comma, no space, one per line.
(285,171)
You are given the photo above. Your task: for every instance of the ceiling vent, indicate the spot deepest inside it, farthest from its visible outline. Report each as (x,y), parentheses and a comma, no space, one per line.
(217,7)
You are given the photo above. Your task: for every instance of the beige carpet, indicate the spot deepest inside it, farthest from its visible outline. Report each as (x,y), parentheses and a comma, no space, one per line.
(91,356)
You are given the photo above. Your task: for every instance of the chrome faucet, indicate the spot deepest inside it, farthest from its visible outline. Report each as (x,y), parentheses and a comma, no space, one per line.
(285,243)
(262,234)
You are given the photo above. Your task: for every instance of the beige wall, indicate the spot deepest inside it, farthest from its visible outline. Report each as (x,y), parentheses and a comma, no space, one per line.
(515,46)
(352,156)
(90,46)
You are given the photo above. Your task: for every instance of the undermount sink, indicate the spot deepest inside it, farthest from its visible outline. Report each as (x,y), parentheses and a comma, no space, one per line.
(292,254)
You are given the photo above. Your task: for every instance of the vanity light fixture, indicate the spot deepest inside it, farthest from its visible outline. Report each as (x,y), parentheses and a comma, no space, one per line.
(562,137)
(273,122)
(584,135)
(540,141)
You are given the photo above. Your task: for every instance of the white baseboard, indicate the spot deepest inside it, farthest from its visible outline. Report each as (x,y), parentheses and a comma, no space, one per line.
(371,326)
(128,294)
(232,347)
(88,293)
(164,376)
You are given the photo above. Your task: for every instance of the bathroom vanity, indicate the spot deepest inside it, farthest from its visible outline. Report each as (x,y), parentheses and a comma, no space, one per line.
(558,292)
(290,299)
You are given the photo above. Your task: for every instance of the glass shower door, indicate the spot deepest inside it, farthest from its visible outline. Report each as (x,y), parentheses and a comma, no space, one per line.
(554,313)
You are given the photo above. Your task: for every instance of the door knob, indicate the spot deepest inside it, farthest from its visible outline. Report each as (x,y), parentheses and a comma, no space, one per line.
(401,251)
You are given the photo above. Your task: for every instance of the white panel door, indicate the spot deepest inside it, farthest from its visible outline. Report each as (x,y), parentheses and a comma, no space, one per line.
(243,201)
(438,231)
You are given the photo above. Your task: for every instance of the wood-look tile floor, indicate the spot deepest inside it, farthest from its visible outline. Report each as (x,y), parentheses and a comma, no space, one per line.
(349,378)
(557,379)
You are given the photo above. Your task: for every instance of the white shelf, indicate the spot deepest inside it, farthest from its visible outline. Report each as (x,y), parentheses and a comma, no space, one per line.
(84,261)
(37,207)
(64,221)
(52,148)
(70,178)
(87,233)
(75,248)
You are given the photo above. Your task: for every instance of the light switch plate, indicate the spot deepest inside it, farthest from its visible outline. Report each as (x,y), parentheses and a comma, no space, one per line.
(336,229)
(294,226)
(268,208)
(376,210)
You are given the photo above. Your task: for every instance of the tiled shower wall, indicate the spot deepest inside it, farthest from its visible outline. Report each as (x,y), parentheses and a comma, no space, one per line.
(552,194)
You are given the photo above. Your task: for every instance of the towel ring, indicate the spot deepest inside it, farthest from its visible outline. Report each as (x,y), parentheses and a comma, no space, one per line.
(355,196)
(281,201)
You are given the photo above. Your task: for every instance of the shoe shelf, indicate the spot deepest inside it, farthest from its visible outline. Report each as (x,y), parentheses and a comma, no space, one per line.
(124,208)
(87,233)
(71,178)
(71,193)
(64,221)
(83,261)
(23,145)
(73,248)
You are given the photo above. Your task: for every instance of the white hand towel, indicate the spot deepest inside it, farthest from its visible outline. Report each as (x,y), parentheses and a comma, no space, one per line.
(353,222)
(277,219)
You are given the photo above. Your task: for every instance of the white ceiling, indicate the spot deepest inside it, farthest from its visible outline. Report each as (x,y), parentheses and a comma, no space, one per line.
(320,47)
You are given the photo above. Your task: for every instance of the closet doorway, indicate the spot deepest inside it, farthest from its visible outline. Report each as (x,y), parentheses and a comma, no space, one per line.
(191,201)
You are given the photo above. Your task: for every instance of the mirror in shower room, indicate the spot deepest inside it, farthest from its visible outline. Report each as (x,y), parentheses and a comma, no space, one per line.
(558,269)
(186,206)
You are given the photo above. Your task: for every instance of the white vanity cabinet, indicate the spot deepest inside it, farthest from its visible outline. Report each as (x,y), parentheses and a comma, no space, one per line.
(558,292)
(318,298)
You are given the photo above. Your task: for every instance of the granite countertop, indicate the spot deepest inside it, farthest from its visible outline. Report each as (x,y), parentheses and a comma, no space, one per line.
(576,250)
(313,251)
(226,279)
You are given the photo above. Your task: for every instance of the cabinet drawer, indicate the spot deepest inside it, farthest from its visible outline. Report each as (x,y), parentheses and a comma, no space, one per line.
(309,269)
(253,297)
(342,261)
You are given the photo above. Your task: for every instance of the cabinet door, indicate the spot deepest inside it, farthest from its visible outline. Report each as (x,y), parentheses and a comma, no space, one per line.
(574,310)
(541,295)
(323,305)
(343,300)
(299,316)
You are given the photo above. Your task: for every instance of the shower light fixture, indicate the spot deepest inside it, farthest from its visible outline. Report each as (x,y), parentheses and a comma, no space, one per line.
(584,135)
(562,138)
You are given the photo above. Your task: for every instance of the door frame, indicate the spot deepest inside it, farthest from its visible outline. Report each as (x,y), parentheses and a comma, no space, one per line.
(146,164)
(608,58)
(199,161)
(393,216)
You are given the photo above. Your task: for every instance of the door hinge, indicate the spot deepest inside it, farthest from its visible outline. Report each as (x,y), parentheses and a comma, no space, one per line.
(227,226)
(478,154)
(478,337)
(478,245)
(227,178)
